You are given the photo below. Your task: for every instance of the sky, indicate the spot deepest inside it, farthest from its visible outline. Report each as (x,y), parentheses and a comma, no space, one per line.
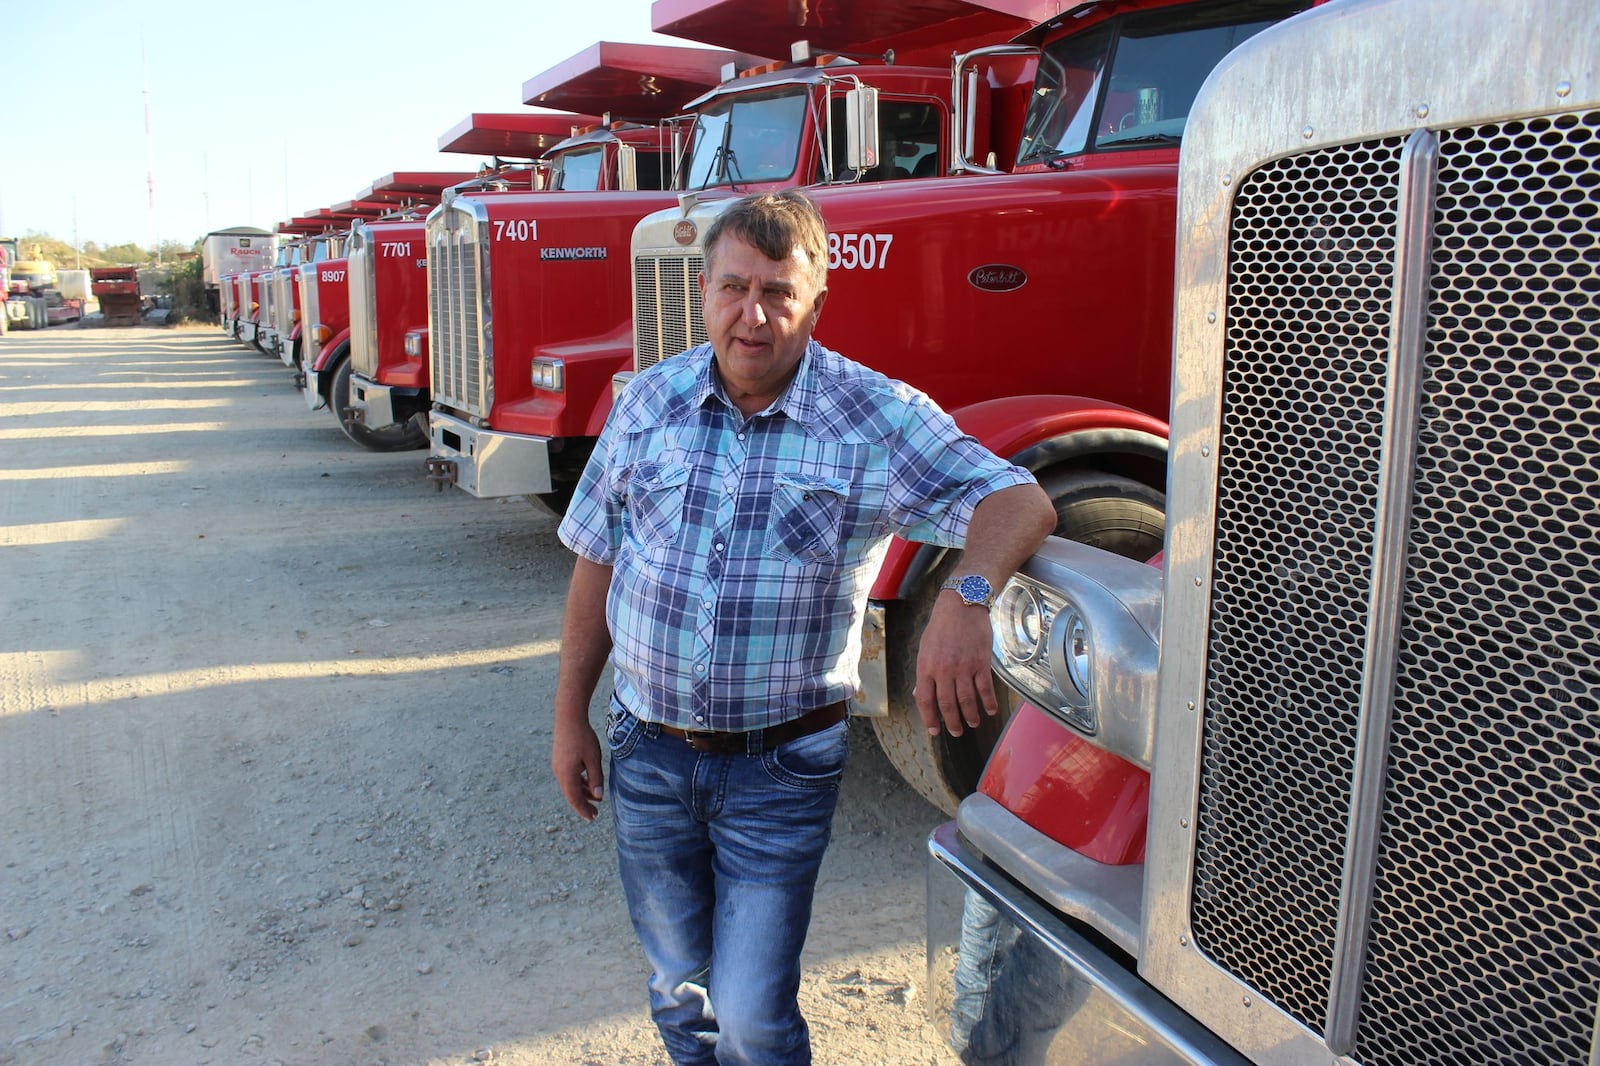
(251,122)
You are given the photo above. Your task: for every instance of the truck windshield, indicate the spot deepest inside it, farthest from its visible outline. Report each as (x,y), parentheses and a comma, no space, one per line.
(1131,81)
(747,138)
(578,170)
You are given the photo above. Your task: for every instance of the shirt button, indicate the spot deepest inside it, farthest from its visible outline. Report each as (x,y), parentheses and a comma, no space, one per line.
(741,436)
(719,545)
(706,605)
(700,668)
(700,718)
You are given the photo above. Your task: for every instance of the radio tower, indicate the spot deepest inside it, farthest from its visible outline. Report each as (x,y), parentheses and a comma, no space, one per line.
(149,166)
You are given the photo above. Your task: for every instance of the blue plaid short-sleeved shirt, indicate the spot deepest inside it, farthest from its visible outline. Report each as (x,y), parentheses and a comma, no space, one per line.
(743,550)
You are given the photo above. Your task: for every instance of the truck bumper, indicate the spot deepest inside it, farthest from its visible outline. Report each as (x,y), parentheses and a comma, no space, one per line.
(307,380)
(488,464)
(1011,981)
(247,332)
(371,404)
(285,349)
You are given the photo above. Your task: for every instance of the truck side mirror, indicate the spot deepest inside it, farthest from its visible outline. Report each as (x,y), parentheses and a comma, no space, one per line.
(861,128)
(627,167)
(964,89)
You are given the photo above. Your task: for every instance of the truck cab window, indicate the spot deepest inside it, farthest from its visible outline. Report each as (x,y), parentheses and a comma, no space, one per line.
(578,170)
(908,141)
(1132,83)
(747,138)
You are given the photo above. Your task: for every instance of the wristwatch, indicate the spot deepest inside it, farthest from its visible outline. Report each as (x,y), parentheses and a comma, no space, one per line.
(975,590)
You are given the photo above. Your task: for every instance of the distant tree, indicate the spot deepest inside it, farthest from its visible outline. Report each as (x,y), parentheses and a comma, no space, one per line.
(128,253)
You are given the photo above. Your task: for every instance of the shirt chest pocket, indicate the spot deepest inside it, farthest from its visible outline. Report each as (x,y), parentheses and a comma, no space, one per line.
(654,509)
(807,513)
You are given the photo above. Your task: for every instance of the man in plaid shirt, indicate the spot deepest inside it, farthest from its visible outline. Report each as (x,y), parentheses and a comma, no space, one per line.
(728,529)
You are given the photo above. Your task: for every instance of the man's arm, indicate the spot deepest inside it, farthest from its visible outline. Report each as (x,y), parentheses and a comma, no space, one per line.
(953,677)
(585,647)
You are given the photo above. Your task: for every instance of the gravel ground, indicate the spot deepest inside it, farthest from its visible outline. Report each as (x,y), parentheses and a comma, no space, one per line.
(274,738)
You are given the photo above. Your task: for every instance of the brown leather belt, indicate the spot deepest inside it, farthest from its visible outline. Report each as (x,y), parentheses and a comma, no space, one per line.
(712,743)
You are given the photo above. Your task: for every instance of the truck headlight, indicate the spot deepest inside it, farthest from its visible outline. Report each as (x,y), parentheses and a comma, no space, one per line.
(1039,638)
(549,374)
(414,343)
(1075,634)
(1021,623)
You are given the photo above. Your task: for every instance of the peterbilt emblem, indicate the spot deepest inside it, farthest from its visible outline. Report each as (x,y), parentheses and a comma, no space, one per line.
(997,277)
(685,231)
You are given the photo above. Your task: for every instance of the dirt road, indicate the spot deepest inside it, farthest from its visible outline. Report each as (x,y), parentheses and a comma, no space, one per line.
(274,732)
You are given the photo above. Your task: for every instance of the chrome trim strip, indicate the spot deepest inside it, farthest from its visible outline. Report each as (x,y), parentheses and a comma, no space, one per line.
(1392,529)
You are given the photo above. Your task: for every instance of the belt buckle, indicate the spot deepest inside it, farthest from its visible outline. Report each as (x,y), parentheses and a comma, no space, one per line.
(694,738)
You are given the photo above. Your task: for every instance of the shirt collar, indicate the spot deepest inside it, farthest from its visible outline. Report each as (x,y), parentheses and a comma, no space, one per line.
(798,401)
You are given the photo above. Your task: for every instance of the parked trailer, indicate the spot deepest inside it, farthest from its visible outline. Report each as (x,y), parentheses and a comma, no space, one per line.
(1322,786)
(232,251)
(117,289)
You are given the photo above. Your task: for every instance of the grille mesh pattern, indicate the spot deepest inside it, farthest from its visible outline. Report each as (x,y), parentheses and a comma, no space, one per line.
(667,312)
(363,290)
(1485,935)
(311,308)
(1495,756)
(1313,241)
(455,331)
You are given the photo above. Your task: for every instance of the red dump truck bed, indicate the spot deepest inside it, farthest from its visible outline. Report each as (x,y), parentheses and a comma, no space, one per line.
(117,289)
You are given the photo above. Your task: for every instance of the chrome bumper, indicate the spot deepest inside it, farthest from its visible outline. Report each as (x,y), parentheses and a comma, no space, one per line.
(371,404)
(307,381)
(486,463)
(1011,981)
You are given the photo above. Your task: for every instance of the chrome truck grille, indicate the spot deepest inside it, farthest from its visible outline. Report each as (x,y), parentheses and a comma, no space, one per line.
(667,317)
(459,329)
(1493,745)
(363,304)
(311,311)
(283,301)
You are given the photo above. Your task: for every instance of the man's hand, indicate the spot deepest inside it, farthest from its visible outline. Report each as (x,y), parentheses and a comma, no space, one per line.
(585,644)
(575,762)
(953,678)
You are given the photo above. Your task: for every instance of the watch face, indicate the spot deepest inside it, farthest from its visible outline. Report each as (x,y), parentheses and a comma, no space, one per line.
(974,589)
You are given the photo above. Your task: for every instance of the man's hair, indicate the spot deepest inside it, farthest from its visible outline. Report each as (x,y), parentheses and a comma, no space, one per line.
(775,224)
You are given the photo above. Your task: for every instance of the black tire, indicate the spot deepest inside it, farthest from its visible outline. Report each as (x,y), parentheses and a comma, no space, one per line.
(558,500)
(1117,514)
(400,437)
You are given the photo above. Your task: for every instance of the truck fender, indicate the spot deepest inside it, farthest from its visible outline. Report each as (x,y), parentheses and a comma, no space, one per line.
(337,344)
(590,363)
(1038,433)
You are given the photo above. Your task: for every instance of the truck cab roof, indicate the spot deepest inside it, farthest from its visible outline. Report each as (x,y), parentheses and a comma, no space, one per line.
(640,82)
(924,32)
(526,135)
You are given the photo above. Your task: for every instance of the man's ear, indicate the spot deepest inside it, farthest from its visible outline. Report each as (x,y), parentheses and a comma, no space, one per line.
(702,278)
(816,306)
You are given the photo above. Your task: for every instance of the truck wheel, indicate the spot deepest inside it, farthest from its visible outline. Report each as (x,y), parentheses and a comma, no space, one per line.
(1117,514)
(557,501)
(400,437)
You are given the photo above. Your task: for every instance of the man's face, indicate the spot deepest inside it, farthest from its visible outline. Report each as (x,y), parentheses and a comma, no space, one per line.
(759,314)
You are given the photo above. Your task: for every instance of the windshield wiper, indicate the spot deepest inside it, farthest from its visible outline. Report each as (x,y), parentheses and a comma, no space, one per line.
(1142,138)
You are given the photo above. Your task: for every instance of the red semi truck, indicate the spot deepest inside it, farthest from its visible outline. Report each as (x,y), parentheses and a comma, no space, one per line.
(386,397)
(517,407)
(1031,297)
(387,290)
(1350,813)
(371,371)
(306,241)
(325,294)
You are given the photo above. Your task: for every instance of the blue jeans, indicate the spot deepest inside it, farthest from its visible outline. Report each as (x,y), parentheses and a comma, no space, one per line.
(719,857)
